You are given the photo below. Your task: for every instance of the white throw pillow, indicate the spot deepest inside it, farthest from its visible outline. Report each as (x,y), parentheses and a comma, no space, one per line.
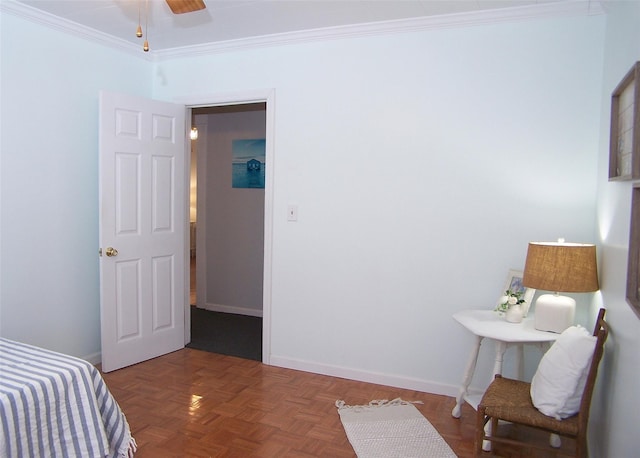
(557,385)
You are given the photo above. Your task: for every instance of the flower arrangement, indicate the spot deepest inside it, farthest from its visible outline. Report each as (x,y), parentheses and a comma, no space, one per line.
(510,298)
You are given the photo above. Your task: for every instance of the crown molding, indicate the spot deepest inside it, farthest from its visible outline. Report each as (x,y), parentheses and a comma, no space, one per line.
(544,10)
(37,16)
(529,12)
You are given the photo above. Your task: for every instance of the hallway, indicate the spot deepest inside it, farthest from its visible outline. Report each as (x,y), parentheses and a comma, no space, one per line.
(223,333)
(192,286)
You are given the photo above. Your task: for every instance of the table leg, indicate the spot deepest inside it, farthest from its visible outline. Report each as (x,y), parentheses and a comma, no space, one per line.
(520,361)
(488,428)
(468,375)
(554,440)
(501,347)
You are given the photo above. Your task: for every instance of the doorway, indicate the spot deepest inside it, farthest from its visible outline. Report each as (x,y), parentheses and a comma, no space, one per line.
(227,221)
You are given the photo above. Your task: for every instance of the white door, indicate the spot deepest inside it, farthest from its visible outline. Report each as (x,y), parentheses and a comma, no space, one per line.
(142,228)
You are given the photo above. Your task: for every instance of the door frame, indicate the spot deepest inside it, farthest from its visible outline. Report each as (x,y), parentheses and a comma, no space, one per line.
(266,96)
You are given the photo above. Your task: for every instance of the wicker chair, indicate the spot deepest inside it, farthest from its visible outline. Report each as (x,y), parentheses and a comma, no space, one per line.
(510,400)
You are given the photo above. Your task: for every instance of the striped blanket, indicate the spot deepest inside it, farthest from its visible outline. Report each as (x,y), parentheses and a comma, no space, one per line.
(54,405)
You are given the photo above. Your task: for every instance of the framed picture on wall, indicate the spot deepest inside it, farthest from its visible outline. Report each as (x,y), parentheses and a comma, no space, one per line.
(624,143)
(633,272)
(248,163)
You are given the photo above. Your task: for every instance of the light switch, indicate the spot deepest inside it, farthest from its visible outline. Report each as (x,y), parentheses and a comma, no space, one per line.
(292,213)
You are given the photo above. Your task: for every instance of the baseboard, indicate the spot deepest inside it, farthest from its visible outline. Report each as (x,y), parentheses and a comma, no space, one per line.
(231,309)
(93,358)
(408,383)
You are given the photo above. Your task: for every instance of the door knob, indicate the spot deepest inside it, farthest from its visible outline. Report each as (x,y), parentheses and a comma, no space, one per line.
(110,251)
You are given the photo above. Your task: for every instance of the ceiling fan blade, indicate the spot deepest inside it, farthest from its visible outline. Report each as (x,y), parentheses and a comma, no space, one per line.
(185,6)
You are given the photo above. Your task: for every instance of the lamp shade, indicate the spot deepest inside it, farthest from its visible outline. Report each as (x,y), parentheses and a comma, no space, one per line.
(561,267)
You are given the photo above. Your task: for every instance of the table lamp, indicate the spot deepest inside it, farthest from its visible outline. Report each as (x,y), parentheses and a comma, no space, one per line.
(559,267)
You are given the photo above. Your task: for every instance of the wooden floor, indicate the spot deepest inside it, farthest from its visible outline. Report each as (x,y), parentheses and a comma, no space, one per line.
(192,403)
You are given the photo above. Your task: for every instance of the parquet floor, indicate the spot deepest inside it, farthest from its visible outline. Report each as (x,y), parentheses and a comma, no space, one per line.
(192,403)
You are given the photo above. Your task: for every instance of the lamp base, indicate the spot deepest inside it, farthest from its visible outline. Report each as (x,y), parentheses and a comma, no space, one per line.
(554,313)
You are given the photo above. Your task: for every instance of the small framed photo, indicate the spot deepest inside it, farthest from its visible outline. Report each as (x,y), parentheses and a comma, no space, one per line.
(633,271)
(624,142)
(514,283)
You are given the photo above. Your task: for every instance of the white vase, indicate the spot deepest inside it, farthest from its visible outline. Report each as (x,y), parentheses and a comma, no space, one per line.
(514,314)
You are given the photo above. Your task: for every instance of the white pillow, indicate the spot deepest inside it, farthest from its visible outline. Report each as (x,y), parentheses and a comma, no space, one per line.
(557,385)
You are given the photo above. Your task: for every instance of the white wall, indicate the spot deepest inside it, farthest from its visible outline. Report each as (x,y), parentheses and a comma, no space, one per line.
(49,182)
(422,163)
(617,403)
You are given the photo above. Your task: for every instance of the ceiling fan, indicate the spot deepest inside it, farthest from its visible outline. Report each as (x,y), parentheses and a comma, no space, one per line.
(177,7)
(185,6)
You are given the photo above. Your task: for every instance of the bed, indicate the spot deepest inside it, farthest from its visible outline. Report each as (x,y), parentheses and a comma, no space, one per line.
(56,405)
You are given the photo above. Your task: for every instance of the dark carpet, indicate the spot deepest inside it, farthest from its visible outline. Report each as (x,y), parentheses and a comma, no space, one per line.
(226,333)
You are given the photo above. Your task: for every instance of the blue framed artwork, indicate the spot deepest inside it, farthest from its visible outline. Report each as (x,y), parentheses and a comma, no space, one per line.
(248,163)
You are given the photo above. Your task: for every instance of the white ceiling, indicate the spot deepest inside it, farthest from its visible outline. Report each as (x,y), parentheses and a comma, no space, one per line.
(225,20)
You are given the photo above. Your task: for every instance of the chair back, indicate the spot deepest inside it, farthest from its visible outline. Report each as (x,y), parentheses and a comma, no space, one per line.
(601,332)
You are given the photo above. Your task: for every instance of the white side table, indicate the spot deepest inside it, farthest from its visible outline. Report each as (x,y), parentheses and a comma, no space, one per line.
(487,323)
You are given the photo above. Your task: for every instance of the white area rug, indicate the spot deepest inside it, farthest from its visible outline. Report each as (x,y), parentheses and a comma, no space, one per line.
(389,429)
